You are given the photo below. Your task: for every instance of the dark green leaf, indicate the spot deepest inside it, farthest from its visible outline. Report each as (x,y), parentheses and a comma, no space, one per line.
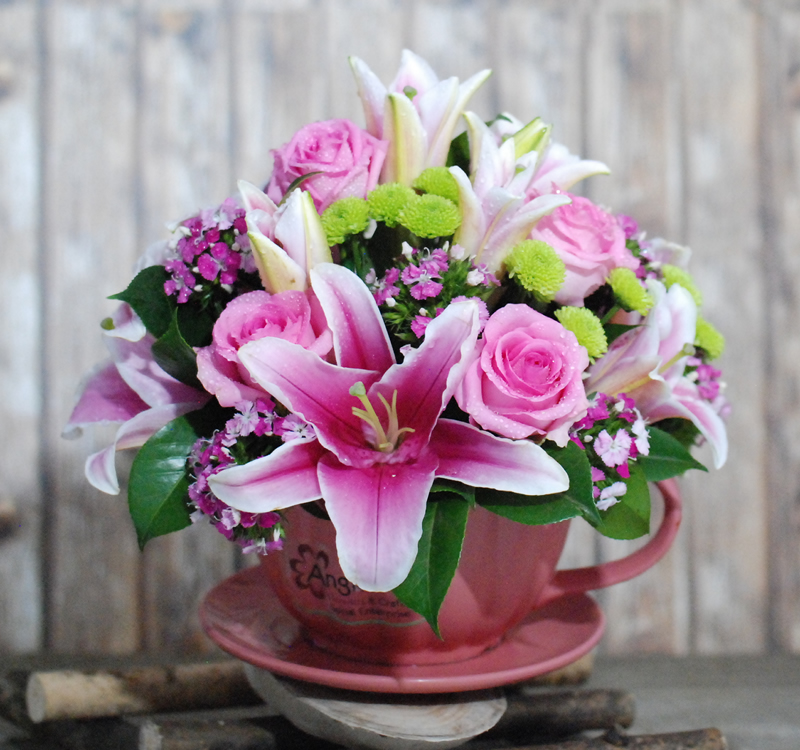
(615,330)
(452,487)
(543,509)
(630,517)
(158,481)
(458,156)
(195,324)
(175,356)
(437,558)
(667,458)
(146,295)
(682,430)
(296,184)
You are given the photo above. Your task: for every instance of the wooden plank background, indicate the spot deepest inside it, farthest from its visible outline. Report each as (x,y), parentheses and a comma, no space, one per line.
(117,116)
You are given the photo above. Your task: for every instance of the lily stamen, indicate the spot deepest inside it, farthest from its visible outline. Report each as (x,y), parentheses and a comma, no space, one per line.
(386,443)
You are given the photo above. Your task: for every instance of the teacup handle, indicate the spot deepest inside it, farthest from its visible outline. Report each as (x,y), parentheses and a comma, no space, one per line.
(579,580)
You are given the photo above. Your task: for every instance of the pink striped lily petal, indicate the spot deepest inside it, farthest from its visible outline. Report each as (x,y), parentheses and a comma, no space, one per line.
(314,389)
(139,370)
(480,459)
(100,467)
(378,514)
(360,339)
(684,401)
(426,379)
(286,477)
(104,398)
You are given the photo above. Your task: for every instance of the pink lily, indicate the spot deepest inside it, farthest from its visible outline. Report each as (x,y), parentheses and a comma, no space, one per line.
(648,364)
(132,391)
(287,240)
(375,472)
(556,168)
(417,114)
(512,186)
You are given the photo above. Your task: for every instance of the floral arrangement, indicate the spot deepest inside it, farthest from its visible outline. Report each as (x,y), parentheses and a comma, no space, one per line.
(404,323)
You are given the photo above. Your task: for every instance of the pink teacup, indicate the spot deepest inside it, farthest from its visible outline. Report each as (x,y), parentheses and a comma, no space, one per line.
(507,570)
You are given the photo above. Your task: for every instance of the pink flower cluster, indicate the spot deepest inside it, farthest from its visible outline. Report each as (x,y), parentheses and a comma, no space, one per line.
(421,286)
(212,245)
(254,532)
(615,434)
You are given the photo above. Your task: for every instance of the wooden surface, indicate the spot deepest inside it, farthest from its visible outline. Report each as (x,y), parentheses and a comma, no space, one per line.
(119,116)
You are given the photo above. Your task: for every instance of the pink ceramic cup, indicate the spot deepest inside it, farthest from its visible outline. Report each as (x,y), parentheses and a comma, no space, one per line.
(506,571)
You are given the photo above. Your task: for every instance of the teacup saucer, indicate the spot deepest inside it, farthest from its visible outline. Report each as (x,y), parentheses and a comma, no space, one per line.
(257,629)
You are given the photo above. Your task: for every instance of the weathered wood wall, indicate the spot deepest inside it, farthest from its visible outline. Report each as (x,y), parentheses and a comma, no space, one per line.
(116,116)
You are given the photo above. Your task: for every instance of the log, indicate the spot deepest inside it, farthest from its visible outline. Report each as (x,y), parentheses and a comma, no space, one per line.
(573,674)
(79,694)
(563,712)
(698,739)
(69,694)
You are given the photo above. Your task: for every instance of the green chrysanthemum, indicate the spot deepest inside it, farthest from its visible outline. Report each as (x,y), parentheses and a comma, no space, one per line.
(387,201)
(438,181)
(537,268)
(343,218)
(675,275)
(629,290)
(709,339)
(587,329)
(430,216)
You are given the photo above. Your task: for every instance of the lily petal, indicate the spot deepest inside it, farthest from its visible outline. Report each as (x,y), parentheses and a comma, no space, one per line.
(427,378)
(136,366)
(105,397)
(286,477)
(299,230)
(405,158)
(360,338)
(372,94)
(314,389)
(480,459)
(255,199)
(377,512)
(278,272)
(100,467)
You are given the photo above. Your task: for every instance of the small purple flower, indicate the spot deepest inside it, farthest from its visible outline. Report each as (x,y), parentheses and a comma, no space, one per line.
(419,324)
(641,437)
(386,289)
(293,428)
(628,225)
(610,495)
(613,451)
(422,279)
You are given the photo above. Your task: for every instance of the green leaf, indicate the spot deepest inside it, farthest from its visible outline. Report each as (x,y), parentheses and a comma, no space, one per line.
(146,295)
(158,482)
(615,330)
(455,488)
(175,356)
(458,156)
(543,509)
(296,183)
(667,458)
(437,558)
(630,517)
(195,324)
(157,490)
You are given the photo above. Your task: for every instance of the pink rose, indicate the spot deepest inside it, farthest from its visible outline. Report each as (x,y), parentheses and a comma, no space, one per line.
(255,315)
(591,243)
(349,158)
(524,377)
